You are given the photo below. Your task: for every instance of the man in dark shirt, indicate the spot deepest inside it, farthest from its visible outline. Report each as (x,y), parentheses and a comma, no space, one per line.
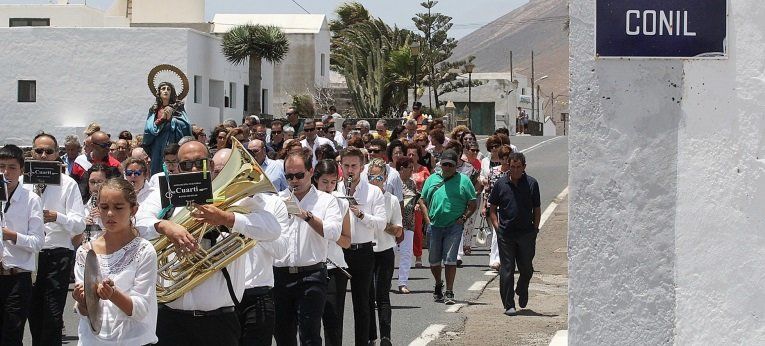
(515,213)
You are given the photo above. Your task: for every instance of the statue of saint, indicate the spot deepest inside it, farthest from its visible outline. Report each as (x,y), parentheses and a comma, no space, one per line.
(166,122)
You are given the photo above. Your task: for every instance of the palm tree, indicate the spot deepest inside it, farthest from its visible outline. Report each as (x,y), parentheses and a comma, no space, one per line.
(255,42)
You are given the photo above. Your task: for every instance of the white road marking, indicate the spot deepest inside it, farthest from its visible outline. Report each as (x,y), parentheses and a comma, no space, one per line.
(539,144)
(455,307)
(551,208)
(429,334)
(478,285)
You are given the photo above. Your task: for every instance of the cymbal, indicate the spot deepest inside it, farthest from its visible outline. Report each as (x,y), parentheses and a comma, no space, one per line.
(93,302)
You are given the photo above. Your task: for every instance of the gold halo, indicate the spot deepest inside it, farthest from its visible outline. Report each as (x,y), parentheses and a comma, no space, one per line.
(170,68)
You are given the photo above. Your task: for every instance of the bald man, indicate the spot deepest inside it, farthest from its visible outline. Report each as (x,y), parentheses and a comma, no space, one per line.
(219,160)
(274,169)
(204,315)
(100,143)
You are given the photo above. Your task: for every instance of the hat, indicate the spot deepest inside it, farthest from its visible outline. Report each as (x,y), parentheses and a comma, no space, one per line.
(449,156)
(255,118)
(417,104)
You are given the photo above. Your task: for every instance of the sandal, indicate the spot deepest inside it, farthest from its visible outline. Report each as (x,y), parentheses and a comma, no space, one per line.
(403,289)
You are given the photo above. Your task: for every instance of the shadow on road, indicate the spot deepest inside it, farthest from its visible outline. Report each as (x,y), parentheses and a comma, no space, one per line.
(529,312)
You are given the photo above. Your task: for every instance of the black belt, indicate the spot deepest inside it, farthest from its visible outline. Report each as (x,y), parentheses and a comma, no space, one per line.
(56,250)
(12,271)
(199,313)
(361,246)
(295,270)
(257,291)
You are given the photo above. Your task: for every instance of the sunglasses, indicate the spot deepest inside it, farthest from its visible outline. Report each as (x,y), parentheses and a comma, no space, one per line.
(104,145)
(47,151)
(290,176)
(276,133)
(374,151)
(291,113)
(190,164)
(447,164)
(131,173)
(309,129)
(474,150)
(372,177)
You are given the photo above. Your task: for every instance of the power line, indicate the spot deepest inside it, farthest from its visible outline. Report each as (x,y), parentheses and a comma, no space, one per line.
(296,3)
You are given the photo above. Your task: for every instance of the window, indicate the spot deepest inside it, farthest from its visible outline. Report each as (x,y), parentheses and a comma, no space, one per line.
(245,98)
(263,102)
(323,63)
(232,95)
(27,91)
(28,22)
(197,86)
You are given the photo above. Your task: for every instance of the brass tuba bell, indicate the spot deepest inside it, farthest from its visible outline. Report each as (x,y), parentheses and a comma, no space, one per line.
(240,178)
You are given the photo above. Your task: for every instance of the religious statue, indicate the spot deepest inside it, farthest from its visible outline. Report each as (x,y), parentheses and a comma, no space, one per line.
(166,122)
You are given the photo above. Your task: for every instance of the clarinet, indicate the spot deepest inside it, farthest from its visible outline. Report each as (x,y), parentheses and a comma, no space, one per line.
(348,183)
(39,189)
(94,227)
(345,272)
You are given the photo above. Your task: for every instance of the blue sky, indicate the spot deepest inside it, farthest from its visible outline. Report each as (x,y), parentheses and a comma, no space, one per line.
(467,15)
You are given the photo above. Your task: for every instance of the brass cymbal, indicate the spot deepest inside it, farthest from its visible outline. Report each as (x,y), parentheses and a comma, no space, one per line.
(92,277)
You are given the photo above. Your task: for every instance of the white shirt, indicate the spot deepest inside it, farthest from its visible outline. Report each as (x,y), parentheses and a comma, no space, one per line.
(66,201)
(87,206)
(83,161)
(340,140)
(394,184)
(213,293)
(259,269)
(334,251)
(154,181)
(305,246)
(133,268)
(372,203)
(384,240)
(25,217)
(145,192)
(317,142)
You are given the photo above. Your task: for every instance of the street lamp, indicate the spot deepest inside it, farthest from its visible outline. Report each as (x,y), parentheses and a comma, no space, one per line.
(415,49)
(469,69)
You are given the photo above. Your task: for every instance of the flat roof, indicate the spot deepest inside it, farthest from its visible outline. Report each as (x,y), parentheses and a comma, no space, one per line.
(290,23)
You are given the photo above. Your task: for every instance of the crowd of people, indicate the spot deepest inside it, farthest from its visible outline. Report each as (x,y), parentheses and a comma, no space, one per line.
(349,200)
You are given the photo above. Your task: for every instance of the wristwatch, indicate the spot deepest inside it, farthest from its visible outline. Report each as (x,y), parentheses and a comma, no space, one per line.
(308,217)
(361,215)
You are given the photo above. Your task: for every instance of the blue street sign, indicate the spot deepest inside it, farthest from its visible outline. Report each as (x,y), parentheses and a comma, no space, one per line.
(661,28)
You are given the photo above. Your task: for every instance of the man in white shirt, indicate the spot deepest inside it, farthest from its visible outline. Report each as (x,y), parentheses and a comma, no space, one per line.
(274,169)
(23,236)
(393,184)
(171,162)
(205,315)
(341,137)
(300,278)
(368,217)
(63,214)
(312,140)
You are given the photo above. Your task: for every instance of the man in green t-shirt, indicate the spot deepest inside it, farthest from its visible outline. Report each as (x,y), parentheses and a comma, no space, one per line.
(451,199)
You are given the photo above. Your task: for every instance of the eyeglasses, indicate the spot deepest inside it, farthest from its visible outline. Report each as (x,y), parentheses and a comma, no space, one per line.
(290,176)
(373,177)
(104,145)
(47,151)
(190,164)
(130,173)
(276,133)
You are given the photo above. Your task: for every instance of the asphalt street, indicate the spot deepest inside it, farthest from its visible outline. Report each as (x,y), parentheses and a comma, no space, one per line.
(547,161)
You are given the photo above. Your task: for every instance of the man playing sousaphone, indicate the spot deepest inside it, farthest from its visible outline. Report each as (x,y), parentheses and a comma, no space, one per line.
(167,121)
(205,315)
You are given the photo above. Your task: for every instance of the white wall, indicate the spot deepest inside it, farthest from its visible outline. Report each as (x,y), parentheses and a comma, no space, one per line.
(667,191)
(75,15)
(168,11)
(99,74)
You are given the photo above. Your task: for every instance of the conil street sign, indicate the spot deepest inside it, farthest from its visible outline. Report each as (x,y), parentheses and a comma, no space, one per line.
(661,28)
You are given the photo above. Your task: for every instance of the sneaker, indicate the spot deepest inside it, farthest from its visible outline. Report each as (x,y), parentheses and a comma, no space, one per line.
(449,298)
(438,292)
(523,300)
(510,312)
(459,263)
(403,289)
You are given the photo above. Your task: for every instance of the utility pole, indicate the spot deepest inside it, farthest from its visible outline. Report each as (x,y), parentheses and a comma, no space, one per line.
(532,84)
(511,67)
(540,117)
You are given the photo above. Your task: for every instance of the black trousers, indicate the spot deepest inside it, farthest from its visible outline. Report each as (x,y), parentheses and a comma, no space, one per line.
(299,299)
(15,293)
(360,265)
(256,316)
(515,248)
(179,329)
(334,308)
(379,291)
(49,296)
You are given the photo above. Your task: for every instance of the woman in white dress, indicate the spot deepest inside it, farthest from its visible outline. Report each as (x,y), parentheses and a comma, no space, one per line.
(128,266)
(325,179)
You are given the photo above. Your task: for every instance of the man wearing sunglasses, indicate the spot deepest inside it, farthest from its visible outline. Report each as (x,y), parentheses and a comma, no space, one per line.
(451,200)
(294,120)
(312,140)
(100,143)
(205,315)
(301,278)
(273,169)
(275,138)
(368,217)
(378,150)
(63,214)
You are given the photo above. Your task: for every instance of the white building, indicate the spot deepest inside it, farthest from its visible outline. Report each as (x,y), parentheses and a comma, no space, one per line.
(69,65)
(306,67)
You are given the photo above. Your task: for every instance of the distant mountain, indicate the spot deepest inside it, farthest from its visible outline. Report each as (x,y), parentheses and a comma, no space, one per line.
(540,25)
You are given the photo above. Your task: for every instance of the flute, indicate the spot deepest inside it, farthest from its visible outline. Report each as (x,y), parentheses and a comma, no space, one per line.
(345,272)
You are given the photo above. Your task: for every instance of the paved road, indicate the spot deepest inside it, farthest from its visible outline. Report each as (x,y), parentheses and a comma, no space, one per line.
(413,313)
